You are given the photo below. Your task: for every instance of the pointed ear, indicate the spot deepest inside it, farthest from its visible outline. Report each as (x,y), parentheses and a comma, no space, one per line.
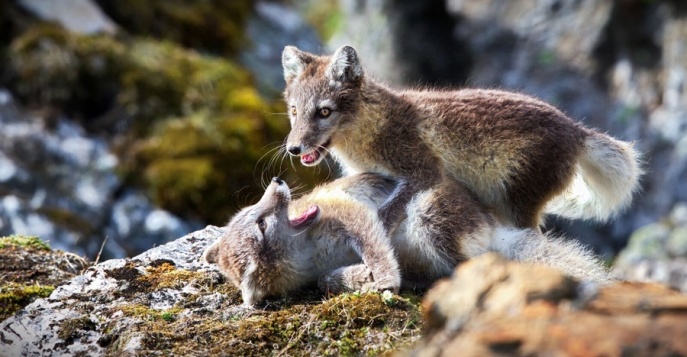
(345,65)
(293,61)
(210,254)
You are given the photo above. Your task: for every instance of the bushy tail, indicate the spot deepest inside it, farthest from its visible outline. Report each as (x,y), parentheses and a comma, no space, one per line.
(568,256)
(607,176)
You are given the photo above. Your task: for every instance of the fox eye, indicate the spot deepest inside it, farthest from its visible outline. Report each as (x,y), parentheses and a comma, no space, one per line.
(293,111)
(262,225)
(325,112)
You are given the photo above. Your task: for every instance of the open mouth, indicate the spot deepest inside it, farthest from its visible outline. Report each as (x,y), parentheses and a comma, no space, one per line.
(313,158)
(305,218)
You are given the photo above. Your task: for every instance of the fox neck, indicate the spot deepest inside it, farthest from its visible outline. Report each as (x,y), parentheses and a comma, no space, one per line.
(356,146)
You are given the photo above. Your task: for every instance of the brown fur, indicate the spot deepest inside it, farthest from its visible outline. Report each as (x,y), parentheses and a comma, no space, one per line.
(513,151)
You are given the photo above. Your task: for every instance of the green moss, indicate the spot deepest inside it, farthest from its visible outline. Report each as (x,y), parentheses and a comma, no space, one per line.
(30,242)
(343,325)
(213,25)
(167,276)
(325,16)
(68,219)
(71,329)
(148,314)
(14,296)
(196,131)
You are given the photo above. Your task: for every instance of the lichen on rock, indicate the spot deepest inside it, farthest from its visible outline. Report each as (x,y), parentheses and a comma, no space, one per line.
(168,300)
(31,270)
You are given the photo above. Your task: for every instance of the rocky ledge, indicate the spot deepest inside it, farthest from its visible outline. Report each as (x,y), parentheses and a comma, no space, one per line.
(166,302)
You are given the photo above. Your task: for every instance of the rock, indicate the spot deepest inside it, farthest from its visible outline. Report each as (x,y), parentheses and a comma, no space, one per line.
(83,16)
(492,307)
(43,196)
(672,272)
(569,30)
(272,27)
(31,270)
(404,42)
(657,252)
(167,301)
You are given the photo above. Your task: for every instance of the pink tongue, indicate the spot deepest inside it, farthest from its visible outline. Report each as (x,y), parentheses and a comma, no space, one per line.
(310,158)
(305,217)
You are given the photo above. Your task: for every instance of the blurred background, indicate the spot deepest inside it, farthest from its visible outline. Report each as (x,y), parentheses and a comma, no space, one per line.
(141,121)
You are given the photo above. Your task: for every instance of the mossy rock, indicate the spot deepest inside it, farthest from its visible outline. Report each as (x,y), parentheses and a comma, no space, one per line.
(13,296)
(301,325)
(193,129)
(215,25)
(31,270)
(48,66)
(24,242)
(90,75)
(199,163)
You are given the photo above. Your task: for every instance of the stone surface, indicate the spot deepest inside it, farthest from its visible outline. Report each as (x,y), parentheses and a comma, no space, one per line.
(166,301)
(657,252)
(93,297)
(492,307)
(82,16)
(272,27)
(60,183)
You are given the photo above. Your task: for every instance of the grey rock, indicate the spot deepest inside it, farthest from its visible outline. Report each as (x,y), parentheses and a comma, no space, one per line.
(647,242)
(82,16)
(404,42)
(657,252)
(59,183)
(35,331)
(272,27)
(671,272)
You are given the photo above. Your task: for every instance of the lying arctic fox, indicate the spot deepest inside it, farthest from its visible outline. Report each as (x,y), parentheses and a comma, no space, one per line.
(335,237)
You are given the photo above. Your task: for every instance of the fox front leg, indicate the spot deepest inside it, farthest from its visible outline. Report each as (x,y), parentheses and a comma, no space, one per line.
(358,277)
(346,279)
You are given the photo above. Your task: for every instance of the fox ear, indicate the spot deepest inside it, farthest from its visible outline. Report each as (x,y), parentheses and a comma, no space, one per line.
(293,61)
(345,65)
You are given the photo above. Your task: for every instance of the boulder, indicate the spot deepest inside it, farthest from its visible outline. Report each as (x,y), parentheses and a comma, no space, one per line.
(492,307)
(166,300)
(41,195)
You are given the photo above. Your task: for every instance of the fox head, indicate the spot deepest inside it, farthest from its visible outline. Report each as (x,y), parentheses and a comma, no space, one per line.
(254,251)
(322,95)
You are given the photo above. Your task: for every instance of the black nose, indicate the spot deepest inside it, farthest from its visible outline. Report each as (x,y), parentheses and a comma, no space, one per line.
(277,180)
(295,150)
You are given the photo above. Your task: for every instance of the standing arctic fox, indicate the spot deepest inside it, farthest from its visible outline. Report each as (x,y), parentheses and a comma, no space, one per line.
(516,153)
(336,238)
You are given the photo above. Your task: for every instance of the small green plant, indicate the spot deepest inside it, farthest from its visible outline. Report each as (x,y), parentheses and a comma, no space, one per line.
(23,241)
(168,316)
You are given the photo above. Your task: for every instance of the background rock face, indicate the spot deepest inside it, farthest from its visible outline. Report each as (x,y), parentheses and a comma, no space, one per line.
(57,182)
(141,124)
